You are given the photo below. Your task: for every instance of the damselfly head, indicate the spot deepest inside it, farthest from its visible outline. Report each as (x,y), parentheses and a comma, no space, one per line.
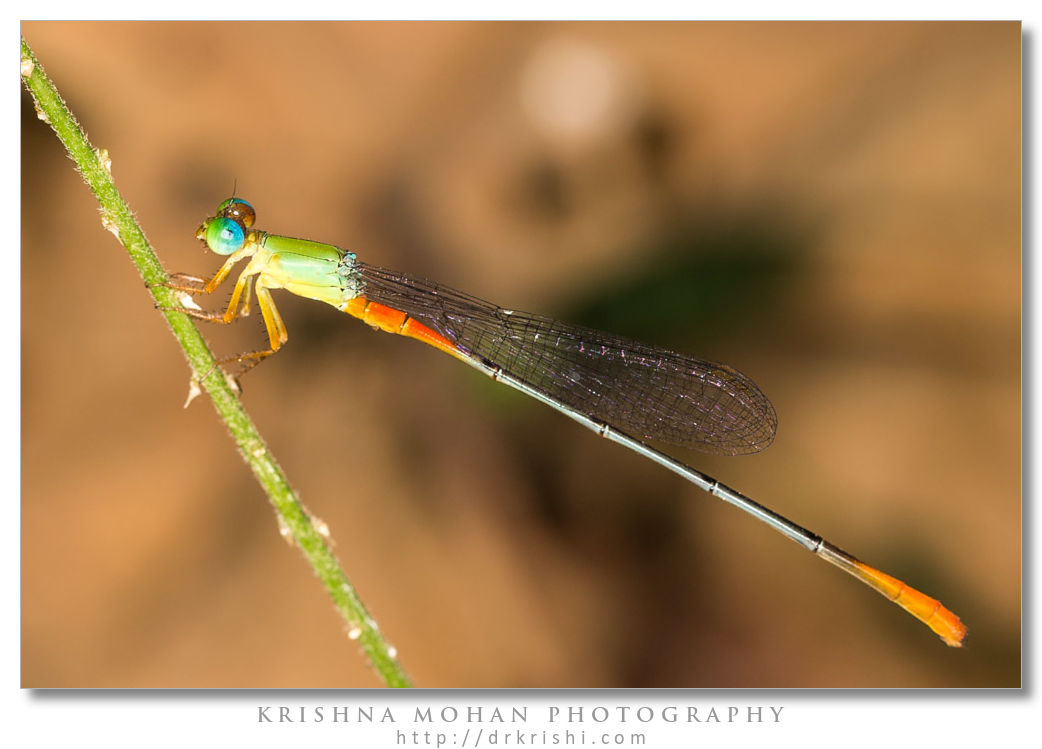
(225,233)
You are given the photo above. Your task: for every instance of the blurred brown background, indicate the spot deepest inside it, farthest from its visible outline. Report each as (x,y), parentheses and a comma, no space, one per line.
(832,208)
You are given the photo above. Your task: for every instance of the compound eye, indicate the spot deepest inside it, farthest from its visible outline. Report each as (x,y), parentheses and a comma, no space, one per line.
(224,235)
(239,210)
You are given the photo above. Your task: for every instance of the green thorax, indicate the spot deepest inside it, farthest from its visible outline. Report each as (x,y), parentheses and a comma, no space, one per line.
(313,270)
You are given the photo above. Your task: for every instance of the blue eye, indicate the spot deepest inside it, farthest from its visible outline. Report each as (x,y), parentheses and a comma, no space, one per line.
(224,235)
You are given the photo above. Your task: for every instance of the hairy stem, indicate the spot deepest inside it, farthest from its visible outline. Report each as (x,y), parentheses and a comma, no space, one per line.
(295,520)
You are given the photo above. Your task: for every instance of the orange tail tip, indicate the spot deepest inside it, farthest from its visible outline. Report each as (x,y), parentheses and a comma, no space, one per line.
(928,610)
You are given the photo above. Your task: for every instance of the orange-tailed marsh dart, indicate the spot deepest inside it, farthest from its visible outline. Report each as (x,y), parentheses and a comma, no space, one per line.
(625,391)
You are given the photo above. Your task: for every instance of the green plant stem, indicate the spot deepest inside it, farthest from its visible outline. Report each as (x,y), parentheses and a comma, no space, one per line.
(293,516)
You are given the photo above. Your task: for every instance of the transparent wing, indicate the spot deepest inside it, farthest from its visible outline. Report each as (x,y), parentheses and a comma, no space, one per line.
(644,390)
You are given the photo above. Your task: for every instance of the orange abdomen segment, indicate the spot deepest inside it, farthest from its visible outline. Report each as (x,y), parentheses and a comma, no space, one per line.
(395,321)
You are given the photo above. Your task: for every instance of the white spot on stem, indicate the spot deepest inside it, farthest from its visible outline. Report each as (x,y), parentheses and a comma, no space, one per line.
(104,159)
(320,526)
(233,385)
(185,300)
(193,391)
(109,225)
(284,530)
